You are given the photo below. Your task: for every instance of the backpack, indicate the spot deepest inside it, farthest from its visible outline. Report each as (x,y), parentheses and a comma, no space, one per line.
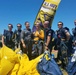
(48,66)
(66,28)
(54,36)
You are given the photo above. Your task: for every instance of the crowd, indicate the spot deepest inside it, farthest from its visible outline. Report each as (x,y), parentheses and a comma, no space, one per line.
(34,43)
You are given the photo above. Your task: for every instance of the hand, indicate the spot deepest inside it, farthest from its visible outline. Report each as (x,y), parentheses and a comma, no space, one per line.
(3,44)
(24,45)
(38,34)
(36,42)
(46,48)
(46,44)
(33,32)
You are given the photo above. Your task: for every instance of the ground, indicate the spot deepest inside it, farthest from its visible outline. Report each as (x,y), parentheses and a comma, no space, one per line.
(55,54)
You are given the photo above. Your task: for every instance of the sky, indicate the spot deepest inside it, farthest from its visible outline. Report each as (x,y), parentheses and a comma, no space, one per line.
(19,11)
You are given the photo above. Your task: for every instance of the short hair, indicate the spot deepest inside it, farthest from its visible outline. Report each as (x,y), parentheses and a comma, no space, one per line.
(38,23)
(10,24)
(19,24)
(60,22)
(26,22)
(75,20)
(46,21)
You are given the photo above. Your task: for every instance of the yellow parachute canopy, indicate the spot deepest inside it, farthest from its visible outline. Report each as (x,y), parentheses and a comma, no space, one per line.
(16,64)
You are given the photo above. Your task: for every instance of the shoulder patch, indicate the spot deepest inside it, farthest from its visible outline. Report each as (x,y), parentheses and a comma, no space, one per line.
(66,30)
(49,34)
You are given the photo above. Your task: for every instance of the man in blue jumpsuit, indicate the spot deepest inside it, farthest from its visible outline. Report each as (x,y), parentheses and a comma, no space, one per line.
(48,33)
(7,38)
(17,36)
(74,29)
(63,40)
(26,40)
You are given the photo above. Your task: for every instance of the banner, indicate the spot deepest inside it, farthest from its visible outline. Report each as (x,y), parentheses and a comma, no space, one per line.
(46,12)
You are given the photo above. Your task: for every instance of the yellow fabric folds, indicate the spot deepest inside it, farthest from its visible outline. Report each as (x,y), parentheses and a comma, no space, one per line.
(7,61)
(17,64)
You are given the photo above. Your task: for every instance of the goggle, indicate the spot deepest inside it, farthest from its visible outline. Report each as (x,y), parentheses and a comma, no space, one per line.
(37,26)
(45,24)
(10,26)
(18,26)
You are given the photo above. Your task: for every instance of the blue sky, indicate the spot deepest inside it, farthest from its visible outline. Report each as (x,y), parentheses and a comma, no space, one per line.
(19,11)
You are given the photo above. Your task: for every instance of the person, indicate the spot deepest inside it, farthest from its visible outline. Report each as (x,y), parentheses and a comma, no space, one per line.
(48,33)
(74,33)
(74,29)
(71,66)
(26,40)
(38,39)
(17,36)
(7,37)
(63,43)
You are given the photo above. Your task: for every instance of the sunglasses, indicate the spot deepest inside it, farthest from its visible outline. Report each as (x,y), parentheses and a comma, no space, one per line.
(45,24)
(18,26)
(37,26)
(10,27)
